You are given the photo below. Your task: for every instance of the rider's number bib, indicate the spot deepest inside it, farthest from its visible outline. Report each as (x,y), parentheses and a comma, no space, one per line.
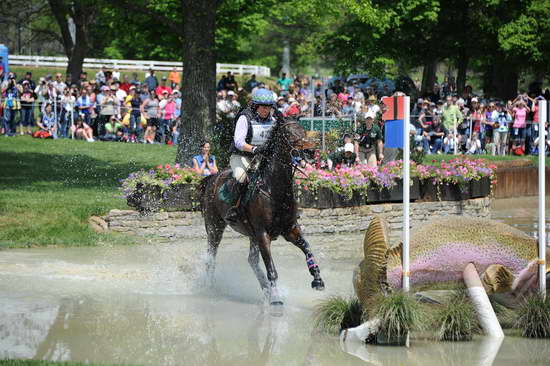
(260,133)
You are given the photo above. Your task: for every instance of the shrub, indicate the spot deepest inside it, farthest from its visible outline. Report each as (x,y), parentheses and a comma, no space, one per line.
(336,313)
(534,316)
(457,320)
(399,313)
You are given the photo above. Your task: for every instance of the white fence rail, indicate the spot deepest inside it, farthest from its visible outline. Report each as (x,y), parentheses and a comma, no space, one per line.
(94,63)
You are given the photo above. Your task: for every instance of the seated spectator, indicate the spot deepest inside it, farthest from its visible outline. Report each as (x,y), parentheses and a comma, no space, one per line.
(163,87)
(47,125)
(449,143)
(81,130)
(369,144)
(114,130)
(293,110)
(342,158)
(251,84)
(204,163)
(473,145)
(433,136)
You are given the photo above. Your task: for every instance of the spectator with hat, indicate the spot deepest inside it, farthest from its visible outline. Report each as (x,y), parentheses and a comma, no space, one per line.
(345,157)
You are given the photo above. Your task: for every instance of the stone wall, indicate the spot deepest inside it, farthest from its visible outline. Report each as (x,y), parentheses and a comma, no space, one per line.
(190,225)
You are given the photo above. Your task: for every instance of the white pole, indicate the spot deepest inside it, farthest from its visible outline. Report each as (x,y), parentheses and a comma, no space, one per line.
(406,188)
(542,194)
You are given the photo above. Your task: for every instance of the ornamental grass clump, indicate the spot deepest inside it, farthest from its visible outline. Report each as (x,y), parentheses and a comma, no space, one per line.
(399,313)
(534,316)
(457,320)
(336,313)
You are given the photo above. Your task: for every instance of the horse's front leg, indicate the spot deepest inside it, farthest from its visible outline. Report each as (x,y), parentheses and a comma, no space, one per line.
(295,237)
(264,242)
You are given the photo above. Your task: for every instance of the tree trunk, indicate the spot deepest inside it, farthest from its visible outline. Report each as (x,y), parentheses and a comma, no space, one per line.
(198,77)
(462,65)
(428,77)
(501,79)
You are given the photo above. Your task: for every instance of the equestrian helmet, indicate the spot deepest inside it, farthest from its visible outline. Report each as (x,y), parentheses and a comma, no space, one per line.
(263,97)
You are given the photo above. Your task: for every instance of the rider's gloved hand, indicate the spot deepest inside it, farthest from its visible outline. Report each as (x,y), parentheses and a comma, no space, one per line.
(260,150)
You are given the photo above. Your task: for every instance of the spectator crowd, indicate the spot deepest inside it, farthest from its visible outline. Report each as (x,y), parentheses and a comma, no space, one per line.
(114,107)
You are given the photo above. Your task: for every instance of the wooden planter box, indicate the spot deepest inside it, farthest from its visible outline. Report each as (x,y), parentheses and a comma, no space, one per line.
(151,198)
(480,188)
(444,191)
(320,199)
(395,194)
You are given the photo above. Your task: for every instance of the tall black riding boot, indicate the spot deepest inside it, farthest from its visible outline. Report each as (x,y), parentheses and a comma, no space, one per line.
(232,215)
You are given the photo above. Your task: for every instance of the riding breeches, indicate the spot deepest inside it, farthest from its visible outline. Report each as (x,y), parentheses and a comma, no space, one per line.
(239,165)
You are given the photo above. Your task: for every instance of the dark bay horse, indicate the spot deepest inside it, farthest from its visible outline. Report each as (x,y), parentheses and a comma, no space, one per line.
(267,209)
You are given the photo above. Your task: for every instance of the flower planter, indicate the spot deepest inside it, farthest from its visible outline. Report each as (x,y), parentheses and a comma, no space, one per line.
(151,198)
(340,200)
(180,197)
(480,188)
(322,198)
(145,198)
(444,191)
(395,193)
(373,195)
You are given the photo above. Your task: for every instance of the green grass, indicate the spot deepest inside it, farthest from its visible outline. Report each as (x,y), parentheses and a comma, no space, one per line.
(47,363)
(49,188)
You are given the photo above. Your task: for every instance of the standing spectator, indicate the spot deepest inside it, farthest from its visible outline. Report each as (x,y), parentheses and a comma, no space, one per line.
(371,108)
(119,93)
(519,113)
(491,116)
(221,83)
(175,78)
(11,105)
(151,81)
(204,163)
(163,87)
(67,108)
(501,130)
(167,108)
(59,84)
(125,85)
(231,83)
(100,76)
(135,79)
(115,74)
(133,103)
(284,83)
(451,117)
(108,106)
(28,79)
(150,108)
(369,144)
(84,106)
(27,107)
(251,84)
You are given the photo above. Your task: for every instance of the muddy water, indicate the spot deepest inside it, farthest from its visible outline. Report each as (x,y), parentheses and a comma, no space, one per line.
(148,305)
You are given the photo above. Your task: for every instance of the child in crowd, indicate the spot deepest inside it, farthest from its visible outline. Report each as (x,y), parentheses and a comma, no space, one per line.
(473,145)
(449,143)
(47,125)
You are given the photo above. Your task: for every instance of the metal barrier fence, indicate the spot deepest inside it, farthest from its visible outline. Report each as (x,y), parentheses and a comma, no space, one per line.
(94,63)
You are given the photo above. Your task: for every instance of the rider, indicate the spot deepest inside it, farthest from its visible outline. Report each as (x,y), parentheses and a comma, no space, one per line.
(254,125)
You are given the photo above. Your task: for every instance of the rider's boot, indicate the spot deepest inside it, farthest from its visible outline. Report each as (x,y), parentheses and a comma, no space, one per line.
(232,214)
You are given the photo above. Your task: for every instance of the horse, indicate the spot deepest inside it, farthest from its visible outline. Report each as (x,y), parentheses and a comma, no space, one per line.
(267,208)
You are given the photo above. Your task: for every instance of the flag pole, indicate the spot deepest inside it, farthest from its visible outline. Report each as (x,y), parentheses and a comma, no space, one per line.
(543,105)
(406,191)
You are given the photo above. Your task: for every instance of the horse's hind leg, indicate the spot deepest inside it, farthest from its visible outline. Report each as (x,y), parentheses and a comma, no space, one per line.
(254,260)
(214,232)
(295,237)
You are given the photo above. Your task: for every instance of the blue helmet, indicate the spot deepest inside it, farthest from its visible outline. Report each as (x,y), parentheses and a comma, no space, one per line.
(263,97)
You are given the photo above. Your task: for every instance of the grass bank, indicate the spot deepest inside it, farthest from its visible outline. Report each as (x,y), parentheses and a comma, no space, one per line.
(49,188)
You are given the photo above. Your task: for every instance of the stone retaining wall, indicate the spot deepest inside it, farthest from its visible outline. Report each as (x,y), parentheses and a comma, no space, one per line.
(190,225)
